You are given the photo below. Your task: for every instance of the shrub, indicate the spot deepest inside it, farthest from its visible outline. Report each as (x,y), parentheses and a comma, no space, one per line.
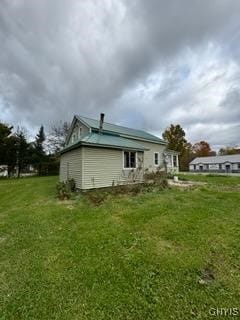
(63,191)
(65,188)
(72,184)
(158,178)
(134,189)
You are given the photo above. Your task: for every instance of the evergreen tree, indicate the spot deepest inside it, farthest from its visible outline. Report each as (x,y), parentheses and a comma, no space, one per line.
(39,155)
(5,132)
(39,141)
(23,150)
(11,154)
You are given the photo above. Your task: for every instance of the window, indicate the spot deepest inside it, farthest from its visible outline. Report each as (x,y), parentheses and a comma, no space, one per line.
(73,137)
(79,132)
(175,161)
(220,166)
(129,159)
(156,158)
(194,167)
(239,166)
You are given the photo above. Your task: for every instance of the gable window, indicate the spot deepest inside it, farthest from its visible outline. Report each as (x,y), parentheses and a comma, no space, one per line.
(129,159)
(156,158)
(79,132)
(73,137)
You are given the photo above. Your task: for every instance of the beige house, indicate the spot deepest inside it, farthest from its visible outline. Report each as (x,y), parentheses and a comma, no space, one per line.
(99,154)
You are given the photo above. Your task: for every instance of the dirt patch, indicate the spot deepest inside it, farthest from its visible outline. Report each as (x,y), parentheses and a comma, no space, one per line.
(185,184)
(118,219)
(206,276)
(69,204)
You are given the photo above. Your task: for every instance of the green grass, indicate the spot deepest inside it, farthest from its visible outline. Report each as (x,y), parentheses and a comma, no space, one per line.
(212,179)
(138,257)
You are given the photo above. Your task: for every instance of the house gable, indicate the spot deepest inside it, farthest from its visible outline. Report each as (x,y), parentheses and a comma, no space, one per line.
(78,130)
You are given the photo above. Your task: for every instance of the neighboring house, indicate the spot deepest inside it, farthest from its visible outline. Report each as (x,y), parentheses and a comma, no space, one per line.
(221,164)
(99,154)
(3,171)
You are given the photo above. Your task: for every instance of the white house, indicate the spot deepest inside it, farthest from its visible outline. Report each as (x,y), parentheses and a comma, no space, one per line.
(221,164)
(100,154)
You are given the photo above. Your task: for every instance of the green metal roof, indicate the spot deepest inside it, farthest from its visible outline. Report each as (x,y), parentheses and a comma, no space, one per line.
(124,131)
(106,140)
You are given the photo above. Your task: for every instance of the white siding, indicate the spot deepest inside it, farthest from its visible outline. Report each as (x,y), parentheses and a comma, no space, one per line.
(94,167)
(71,166)
(235,166)
(102,167)
(149,155)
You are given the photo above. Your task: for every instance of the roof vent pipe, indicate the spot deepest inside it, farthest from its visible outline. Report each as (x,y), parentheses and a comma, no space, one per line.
(101,122)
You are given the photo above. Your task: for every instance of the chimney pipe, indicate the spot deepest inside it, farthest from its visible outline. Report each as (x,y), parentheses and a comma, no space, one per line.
(101,122)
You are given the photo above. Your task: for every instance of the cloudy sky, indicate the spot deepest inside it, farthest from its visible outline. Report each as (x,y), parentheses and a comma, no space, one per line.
(146,64)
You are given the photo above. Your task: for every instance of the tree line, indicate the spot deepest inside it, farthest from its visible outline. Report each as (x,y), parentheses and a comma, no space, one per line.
(40,156)
(176,140)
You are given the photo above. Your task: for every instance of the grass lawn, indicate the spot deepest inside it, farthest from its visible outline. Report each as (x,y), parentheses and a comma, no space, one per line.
(168,255)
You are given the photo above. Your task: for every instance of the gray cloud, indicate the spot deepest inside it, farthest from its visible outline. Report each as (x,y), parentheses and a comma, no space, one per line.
(147,63)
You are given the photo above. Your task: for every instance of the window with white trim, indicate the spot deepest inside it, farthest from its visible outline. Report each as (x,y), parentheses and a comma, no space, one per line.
(129,158)
(156,158)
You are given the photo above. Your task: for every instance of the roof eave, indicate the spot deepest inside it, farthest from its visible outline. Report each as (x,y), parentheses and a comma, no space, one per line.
(112,146)
(97,145)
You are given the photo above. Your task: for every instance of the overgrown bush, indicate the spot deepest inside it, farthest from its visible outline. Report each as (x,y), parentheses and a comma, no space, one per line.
(157,178)
(153,182)
(65,188)
(72,184)
(131,189)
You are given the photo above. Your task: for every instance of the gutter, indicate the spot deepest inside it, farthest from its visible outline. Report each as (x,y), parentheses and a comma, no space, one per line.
(80,143)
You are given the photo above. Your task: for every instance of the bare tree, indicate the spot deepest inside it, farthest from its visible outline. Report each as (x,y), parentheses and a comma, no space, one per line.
(57,136)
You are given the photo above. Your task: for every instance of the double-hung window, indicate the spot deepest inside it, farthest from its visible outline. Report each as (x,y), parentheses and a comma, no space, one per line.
(156,158)
(129,160)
